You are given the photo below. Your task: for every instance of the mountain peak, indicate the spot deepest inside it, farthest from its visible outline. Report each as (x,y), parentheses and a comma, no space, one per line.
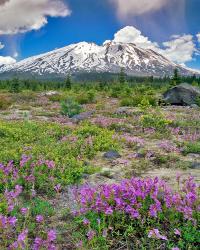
(90,57)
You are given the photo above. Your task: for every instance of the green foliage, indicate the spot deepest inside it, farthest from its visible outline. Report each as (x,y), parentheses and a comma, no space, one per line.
(68,83)
(70,107)
(176,78)
(139,100)
(15,86)
(192,147)
(86,97)
(46,140)
(157,121)
(198,101)
(122,76)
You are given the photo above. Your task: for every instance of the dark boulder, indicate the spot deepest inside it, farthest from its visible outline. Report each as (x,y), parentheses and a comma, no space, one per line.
(183,94)
(112,154)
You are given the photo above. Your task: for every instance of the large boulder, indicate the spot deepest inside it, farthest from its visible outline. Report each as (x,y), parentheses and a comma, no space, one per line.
(183,94)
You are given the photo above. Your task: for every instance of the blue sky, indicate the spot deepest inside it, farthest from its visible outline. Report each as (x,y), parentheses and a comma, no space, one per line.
(44,25)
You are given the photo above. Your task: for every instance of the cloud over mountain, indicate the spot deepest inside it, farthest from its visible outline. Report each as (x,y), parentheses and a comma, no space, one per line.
(138,7)
(19,16)
(179,49)
(5,60)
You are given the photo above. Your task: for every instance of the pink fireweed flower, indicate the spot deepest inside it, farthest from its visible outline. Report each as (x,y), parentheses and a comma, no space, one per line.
(38,243)
(177,232)
(154,233)
(39,218)
(24,160)
(86,221)
(24,210)
(50,164)
(51,236)
(91,234)
(57,188)
(22,236)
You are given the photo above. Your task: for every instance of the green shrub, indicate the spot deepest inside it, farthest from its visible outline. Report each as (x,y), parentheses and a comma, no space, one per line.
(198,101)
(70,107)
(158,122)
(85,98)
(192,147)
(138,100)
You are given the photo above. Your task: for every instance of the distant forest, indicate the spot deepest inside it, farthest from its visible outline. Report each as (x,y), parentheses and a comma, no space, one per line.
(98,80)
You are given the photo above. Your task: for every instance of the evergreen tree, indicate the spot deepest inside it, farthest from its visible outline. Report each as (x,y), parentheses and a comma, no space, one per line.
(15,85)
(68,83)
(176,78)
(122,76)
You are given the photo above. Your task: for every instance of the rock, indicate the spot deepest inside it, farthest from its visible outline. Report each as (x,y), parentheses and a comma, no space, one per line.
(195,165)
(194,106)
(112,154)
(183,94)
(106,172)
(83,116)
(50,93)
(124,111)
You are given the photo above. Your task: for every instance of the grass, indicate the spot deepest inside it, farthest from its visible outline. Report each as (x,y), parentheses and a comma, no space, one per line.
(63,156)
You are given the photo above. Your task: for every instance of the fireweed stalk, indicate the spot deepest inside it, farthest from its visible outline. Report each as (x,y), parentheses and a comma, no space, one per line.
(150,207)
(19,228)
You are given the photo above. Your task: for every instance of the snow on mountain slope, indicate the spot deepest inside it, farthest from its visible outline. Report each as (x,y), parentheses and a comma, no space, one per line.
(89,57)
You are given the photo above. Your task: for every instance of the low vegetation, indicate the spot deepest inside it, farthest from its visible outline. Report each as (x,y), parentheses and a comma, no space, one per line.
(106,181)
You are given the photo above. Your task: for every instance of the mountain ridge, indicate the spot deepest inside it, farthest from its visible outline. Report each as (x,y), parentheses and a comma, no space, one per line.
(90,57)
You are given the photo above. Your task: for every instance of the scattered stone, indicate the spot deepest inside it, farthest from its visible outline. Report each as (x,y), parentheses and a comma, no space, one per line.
(195,165)
(112,154)
(82,116)
(183,94)
(106,172)
(124,111)
(50,93)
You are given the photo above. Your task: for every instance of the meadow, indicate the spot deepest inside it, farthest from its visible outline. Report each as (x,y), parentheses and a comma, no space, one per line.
(98,166)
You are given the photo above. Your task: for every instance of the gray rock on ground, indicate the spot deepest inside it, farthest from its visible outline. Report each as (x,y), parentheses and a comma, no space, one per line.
(112,154)
(183,94)
(82,116)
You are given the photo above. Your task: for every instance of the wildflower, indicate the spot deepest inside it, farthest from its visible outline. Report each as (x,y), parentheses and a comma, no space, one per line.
(51,235)
(24,210)
(108,211)
(38,242)
(79,244)
(91,234)
(86,221)
(154,233)
(22,236)
(177,232)
(57,188)
(50,164)
(12,221)
(175,248)
(39,218)
(105,233)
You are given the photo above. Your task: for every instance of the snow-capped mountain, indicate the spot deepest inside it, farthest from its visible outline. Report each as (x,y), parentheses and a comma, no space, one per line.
(89,57)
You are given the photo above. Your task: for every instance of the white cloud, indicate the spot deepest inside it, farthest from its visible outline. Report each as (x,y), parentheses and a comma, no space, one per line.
(198,37)
(15,55)
(138,7)
(2,45)
(179,49)
(5,60)
(130,34)
(19,16)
